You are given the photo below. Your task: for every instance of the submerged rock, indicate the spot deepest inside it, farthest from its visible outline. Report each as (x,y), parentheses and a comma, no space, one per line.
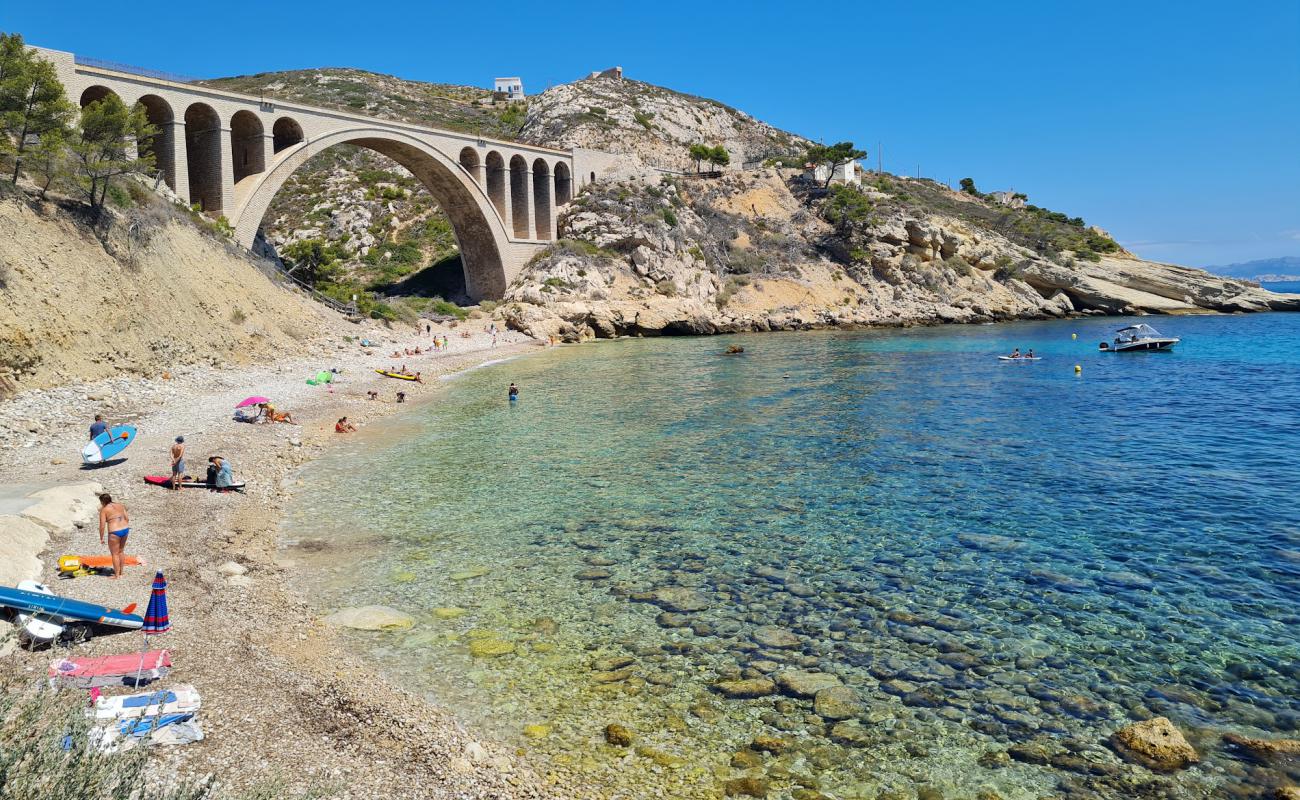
(837,702)
(1266,749)
(989,541)
(746,689)
(371,618)
(773,636)
(746,787)
(680,599)
(618,735)
(1156,744)
(490,648)
(805,684)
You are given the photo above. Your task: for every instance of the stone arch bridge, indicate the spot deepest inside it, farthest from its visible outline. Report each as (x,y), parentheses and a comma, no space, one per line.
(230,153)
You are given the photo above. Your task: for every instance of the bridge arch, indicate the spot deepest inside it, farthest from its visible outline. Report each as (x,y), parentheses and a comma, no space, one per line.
(496,182)
(93,94)
(162,145)
(479,229)
(542,204)
(203,157)
(470,161)
(519,194)
(563,184)
(285,133)
(247,144)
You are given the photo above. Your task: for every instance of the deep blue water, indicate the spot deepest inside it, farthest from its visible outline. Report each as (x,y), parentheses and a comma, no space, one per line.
(988,553)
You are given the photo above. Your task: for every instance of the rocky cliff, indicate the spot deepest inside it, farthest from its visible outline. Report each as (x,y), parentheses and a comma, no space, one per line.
(763,250)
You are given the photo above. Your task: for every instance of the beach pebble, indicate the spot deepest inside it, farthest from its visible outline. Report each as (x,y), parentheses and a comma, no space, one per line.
(230,569)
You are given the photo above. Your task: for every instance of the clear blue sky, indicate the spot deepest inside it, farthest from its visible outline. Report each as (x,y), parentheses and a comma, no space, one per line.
(1174,125)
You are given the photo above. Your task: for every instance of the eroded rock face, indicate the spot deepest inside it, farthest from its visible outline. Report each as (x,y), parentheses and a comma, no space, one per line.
(743,253)
(1156,744)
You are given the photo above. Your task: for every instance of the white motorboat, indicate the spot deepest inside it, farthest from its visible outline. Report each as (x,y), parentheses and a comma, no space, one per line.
(1139,337)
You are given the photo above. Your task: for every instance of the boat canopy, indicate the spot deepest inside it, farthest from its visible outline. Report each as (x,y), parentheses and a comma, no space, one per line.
(1140,331)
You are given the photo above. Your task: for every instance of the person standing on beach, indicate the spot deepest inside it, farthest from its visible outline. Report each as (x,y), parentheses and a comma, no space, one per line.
(178,463)
(114,521)
(514,392)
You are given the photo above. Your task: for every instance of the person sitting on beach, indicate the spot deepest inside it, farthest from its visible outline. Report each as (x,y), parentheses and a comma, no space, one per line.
(178,463)
(396,354)
(372,395)
(343,426)
(98,426)
(401,397)
(114,521)
(417,378)
(1016,353)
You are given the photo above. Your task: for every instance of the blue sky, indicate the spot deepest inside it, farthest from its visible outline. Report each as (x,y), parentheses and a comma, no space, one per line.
(1174,125)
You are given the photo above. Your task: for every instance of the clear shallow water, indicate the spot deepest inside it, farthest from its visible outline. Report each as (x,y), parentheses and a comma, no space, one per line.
(991,555)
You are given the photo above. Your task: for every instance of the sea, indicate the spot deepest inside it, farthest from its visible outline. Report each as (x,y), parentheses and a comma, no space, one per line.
(871,564)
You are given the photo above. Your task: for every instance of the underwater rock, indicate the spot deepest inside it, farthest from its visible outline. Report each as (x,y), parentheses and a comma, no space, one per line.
(538,731)
(1155,744)
(837,702)
(469,574)
(746,787)
(618,735)
(680,599)
(989,541)
(1266,749)
(801,683)
(370,618)
(610,663)
(769,744)
(593,574)
(611,676)
(490,648)
(851,733)
(746,689)
(746,759)
(448,613)
(774,636)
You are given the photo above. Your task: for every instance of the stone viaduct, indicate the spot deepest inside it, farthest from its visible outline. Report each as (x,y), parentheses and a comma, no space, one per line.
(230,153)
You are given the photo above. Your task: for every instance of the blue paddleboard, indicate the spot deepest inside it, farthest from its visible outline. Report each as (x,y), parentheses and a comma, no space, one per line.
(108,444)
(70,610)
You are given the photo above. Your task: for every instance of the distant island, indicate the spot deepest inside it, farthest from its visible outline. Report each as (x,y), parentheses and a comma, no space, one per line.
(1264,270)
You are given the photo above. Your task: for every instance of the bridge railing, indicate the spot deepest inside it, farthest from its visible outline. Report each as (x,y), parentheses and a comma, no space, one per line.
(100,63)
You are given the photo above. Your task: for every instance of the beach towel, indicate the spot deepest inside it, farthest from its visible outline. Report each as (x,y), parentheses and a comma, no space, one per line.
(115,670)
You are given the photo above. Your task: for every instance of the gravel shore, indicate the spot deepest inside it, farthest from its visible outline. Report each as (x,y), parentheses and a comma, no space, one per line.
(282,700)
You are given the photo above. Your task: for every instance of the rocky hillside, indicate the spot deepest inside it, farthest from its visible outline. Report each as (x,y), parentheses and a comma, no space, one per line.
(763,250)
(756,249)
(132,299)
(653,124)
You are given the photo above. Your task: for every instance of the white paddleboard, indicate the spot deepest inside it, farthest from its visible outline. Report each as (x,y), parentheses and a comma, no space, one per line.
(1021,358)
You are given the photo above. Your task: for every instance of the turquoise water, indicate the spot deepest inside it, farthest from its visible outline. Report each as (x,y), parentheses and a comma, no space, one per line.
(992,556)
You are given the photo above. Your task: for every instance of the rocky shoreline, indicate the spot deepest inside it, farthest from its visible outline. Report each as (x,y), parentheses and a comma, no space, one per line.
(279,690)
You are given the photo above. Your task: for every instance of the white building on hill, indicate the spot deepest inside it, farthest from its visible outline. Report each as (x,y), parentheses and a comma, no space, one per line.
(510,89)
(849,173)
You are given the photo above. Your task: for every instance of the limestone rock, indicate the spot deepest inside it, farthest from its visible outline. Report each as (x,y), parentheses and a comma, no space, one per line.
(618,735)
(805,684)
(747,787)
(837,703)
(1266,749)
(774,636)
(1156,744)
(231,568)
(489,647)
(680,599)
(746,689)
(371,618)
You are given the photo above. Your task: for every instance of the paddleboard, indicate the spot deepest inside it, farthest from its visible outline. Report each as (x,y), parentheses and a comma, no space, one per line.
(188,483)
(108,444)
(397,375)
(1021,358)
(69,610)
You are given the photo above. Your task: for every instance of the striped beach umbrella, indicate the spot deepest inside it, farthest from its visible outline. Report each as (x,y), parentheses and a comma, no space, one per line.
(155,615)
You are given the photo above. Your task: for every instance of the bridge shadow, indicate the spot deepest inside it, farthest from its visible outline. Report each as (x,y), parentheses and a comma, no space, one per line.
(445,279)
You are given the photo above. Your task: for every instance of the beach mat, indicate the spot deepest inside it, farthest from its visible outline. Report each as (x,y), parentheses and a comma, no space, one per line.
(115,670)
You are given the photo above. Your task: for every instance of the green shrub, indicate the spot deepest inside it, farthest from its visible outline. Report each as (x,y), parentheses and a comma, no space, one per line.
(643,119)
(666,288)
(846,205)
(670,217)
(446,308)
(487,306)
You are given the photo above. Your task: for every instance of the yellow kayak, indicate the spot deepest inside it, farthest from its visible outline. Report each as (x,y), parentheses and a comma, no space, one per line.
(397,375)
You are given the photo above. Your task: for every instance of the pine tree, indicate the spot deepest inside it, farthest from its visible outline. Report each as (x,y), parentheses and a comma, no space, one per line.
(105,144)
(44,111)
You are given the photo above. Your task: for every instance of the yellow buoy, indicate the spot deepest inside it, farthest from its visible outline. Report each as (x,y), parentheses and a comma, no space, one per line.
(1074,336)
(1078,369)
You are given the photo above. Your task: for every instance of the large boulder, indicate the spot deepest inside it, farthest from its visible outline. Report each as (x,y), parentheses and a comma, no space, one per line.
(20,546)
(63,509)
(1156,744)
(801,683)
(370,618)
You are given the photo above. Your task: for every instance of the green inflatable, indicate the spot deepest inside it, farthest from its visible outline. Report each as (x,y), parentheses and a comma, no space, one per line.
(324,376)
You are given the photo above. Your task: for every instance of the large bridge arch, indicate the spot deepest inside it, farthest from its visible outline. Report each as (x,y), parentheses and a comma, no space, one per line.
(480,233)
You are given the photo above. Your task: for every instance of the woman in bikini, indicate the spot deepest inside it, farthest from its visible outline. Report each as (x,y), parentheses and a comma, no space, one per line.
(113,519)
